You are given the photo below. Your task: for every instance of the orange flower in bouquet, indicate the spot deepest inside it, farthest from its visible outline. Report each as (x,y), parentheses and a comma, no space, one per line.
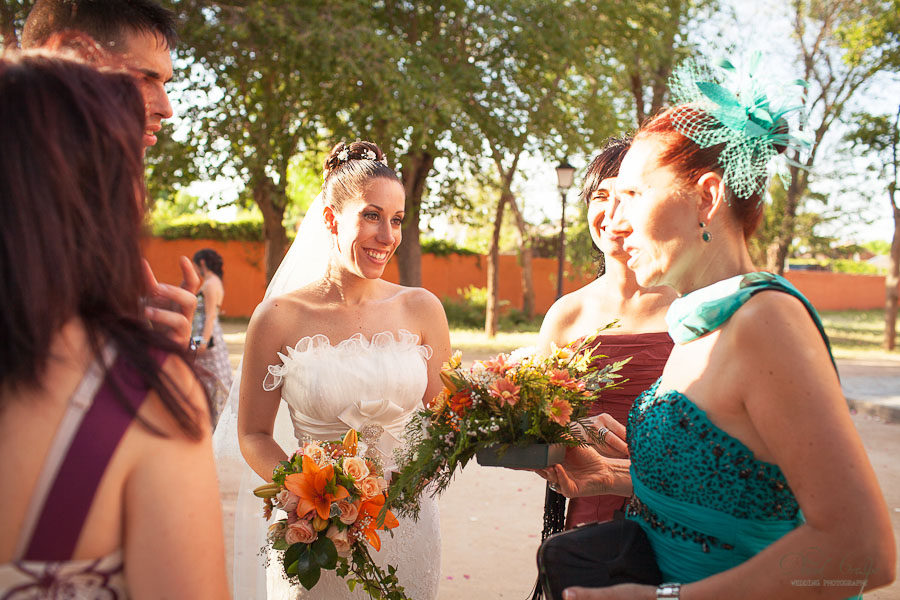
(334,503)
(368,518)
(311,487)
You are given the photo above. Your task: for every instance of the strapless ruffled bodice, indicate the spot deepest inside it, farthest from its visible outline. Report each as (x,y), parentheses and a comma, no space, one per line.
(356,383)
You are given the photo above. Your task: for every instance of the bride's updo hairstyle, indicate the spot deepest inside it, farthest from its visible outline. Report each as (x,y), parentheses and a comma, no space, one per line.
(349,167)
(690,161)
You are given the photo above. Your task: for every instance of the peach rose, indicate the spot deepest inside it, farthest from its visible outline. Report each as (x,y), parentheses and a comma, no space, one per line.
(301,531)
(368,487)
(287,500)
(341,541)
(316,453)
(349,511)
(356,468)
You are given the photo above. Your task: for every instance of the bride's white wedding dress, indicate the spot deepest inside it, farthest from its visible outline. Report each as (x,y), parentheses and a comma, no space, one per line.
(367,385)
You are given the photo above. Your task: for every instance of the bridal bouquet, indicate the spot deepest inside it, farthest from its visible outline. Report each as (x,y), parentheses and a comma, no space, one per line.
(501,406)
(332,497)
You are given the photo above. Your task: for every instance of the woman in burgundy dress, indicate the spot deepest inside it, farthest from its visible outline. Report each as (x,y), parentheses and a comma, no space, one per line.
(614,295)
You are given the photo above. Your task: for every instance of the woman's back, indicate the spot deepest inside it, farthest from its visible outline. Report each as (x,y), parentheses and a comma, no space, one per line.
(93,494)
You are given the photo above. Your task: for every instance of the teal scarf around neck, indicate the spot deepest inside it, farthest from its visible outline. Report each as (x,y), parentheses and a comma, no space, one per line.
(695,314)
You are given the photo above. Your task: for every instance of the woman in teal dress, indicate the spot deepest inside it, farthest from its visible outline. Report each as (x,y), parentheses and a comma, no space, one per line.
(745,471)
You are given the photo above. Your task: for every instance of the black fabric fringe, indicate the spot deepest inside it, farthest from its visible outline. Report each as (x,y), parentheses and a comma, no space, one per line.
(554,522)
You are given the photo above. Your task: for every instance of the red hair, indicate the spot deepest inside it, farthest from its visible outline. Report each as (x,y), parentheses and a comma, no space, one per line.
(690,162)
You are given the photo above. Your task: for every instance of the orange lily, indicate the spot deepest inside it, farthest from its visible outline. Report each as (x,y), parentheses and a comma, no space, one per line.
(497,364)
(311,487)
(370,508)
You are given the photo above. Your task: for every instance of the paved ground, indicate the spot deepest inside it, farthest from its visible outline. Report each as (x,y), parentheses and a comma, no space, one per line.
(872,386)
(491,518)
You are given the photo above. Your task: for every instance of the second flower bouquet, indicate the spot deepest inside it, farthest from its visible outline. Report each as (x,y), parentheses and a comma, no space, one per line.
(497,406)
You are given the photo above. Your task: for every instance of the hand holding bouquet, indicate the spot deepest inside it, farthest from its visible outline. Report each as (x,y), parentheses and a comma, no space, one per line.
(332,497)
(496,405)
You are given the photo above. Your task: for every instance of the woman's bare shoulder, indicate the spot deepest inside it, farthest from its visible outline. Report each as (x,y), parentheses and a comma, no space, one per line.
(415,296)
(562,317)
(274,309)
(770,316)
(425,310)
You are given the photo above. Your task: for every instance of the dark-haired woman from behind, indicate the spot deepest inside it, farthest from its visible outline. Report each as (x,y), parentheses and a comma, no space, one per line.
(212,354)
(109,486)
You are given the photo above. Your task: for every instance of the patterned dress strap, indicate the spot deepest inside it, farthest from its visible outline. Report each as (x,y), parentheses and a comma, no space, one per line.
(81,468)
(79,403)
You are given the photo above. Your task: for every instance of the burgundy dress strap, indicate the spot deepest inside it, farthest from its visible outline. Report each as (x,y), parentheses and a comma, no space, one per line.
(93,445)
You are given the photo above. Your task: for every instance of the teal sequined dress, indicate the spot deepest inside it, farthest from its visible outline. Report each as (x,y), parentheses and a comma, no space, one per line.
(706,503)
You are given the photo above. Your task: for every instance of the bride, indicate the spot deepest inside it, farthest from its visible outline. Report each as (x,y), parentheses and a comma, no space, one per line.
(340,348)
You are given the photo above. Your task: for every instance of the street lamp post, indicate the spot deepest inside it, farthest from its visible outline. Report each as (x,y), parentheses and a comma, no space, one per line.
(565,174)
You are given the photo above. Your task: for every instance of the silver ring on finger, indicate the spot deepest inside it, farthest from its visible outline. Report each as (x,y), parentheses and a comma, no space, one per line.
(553,487)
(602,435)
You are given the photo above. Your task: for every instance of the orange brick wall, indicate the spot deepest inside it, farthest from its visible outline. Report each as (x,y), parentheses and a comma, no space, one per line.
(245,281)
(245,271)
(839,291)
(446,276)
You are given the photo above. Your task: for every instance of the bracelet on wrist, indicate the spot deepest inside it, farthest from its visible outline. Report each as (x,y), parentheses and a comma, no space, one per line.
(668,590)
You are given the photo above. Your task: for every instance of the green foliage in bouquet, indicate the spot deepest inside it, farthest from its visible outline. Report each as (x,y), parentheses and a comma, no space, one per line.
(503,402)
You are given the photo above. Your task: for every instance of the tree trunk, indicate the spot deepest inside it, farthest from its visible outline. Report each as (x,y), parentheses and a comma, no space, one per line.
(273,226)
(637,92)
(492,314)
(525,256)
(891,282)
(786,233)
(409,255)
(8,27)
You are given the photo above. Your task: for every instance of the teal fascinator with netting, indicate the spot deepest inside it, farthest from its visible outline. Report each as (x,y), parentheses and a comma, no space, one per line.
(742,109)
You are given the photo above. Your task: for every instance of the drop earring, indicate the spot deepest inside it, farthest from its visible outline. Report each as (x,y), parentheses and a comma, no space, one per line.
(706,236)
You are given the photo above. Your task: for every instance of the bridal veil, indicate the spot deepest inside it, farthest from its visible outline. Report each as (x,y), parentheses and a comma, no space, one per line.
(305,262)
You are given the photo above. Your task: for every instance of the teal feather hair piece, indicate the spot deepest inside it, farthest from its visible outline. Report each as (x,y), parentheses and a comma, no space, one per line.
(743,110)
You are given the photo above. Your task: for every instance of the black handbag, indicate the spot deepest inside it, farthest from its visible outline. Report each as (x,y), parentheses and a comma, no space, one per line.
(596,555)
